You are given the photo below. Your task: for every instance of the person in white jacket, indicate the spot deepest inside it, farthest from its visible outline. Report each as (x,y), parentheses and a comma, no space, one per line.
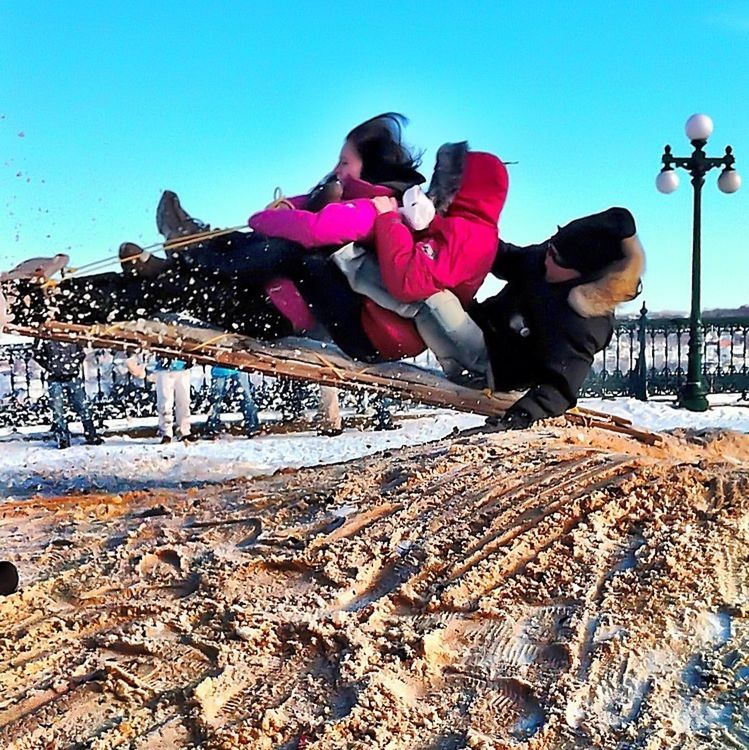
(172,378)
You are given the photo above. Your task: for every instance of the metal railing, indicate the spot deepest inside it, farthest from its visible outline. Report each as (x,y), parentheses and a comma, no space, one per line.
(116,394)
(648,357)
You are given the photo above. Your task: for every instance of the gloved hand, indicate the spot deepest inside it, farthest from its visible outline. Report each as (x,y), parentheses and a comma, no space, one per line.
(514,419)
(322,195)
(5,314)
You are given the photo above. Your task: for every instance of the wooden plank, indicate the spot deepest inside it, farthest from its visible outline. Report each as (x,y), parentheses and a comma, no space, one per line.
(644,436)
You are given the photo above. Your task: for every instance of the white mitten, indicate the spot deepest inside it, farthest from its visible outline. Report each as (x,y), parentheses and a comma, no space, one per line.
(5,314)
(418,211)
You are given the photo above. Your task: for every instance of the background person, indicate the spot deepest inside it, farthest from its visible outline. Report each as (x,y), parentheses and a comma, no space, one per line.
(329,419)
(173,398)
(221,379)
(62,362)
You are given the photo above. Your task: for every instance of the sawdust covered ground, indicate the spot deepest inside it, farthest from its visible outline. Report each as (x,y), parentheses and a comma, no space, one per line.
(560,588)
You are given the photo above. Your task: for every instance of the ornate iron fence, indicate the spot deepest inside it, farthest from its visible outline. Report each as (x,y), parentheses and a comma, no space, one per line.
(116,394)
(648,357)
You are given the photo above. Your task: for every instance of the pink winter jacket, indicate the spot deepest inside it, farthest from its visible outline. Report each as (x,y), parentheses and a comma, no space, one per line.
(457,250)
(351,220)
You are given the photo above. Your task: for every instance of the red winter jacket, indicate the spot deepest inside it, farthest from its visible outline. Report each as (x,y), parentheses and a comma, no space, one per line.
(455,252)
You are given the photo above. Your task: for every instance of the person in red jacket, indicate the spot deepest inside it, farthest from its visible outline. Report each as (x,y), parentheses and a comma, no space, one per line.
(457,250)
(454,253)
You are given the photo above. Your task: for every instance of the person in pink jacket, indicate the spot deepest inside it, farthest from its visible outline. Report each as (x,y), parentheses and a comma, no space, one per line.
(283,252)
(242,281)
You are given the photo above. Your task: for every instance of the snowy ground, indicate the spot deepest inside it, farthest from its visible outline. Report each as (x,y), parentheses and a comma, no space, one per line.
(30,464)
(35,465)
(727,411)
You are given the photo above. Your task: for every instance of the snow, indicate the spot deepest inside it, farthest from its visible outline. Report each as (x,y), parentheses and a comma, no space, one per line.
(726,412)
(29,464)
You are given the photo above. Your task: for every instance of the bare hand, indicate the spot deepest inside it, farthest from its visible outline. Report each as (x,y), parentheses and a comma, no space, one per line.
(384,204)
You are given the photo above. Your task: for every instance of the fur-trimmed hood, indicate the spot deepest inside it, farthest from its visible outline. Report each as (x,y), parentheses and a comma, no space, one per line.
(468,184)
(618,282)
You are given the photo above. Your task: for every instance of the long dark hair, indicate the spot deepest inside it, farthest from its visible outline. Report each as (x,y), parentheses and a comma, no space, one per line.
(385,158)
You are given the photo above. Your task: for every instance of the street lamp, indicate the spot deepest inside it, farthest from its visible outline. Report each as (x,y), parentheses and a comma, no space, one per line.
(698,129)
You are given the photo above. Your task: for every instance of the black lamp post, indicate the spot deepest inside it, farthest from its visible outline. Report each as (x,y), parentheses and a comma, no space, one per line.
(698,129)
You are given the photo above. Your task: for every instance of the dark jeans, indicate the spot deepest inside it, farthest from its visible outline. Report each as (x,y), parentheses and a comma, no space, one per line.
(249,407)
(323,286)
(335,304)
(78,400)
(224,302)
(220,282)
(252,257)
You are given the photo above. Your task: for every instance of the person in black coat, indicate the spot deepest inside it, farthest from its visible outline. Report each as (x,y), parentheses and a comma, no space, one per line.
(62,362)
(545,326)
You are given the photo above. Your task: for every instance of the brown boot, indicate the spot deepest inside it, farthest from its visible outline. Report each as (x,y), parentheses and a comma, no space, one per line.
(136,261)
(173,221)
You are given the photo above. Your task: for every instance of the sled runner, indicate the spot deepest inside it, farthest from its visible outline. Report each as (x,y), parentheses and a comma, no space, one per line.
(303,359)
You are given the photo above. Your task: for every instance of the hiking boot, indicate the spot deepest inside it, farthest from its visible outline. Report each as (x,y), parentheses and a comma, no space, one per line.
(37,269)
(165,440)
(94,440)
(136,261)
(330,431)
(63,442)
(385,424)
(173,221)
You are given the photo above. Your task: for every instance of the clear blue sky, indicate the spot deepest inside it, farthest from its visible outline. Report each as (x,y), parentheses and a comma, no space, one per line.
(104,105)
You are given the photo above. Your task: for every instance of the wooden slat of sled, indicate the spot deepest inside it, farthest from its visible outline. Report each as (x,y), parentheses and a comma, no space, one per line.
(299,359)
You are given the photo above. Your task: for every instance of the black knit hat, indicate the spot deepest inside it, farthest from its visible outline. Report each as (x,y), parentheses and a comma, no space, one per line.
(590,244)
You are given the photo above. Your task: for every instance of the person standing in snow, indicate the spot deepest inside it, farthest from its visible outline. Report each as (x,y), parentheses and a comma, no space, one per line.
(221,379)
(172,378)
(329,419)
(62,363)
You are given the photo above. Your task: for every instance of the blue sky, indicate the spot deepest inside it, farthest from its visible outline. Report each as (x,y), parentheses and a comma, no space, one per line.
(103,106)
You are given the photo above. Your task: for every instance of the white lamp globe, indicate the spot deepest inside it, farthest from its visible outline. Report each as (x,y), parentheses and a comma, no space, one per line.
(729,181)
(667,181)
(699,127)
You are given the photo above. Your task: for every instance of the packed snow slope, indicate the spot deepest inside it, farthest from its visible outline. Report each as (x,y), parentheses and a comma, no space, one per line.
(555,588)
(131,457)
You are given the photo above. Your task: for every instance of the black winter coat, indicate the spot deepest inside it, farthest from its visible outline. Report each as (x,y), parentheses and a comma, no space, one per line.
(62,361)
(535,339)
